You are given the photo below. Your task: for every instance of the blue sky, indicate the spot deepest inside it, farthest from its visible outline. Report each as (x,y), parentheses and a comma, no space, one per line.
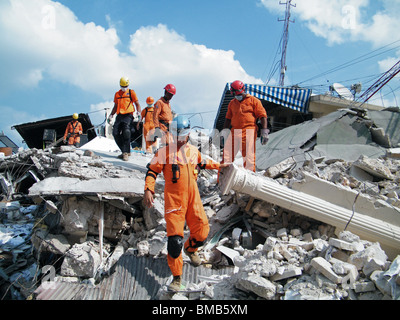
(62,57)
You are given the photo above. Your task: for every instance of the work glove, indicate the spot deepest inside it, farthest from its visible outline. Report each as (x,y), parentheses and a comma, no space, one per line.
(264,136)
(157,134)
(110,118)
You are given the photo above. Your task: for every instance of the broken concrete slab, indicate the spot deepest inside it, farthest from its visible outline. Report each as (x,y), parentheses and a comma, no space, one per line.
(374,167)
(324,267)
(81,217)
(393,153)
(370,259)
(387,119)
(54,243)
(82,260)
(259,285)
(227,212)
(343,134)
(281,261)
(291,142)
(153,216)
(125,187)
(285,273)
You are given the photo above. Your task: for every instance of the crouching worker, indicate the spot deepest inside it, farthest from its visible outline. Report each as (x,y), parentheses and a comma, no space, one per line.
(178,162)
(73,132)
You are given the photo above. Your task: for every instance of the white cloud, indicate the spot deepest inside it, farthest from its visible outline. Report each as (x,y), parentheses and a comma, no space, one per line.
(163,56)
(43,39)
(346,20)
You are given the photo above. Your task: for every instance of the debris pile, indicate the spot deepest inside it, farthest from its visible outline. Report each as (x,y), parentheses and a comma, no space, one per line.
(70,215)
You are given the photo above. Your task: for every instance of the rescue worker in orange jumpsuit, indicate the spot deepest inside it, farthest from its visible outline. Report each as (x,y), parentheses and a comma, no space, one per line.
(243,112)
(162,116)
(148,126)
(178,162)
(123,107)
(73,131)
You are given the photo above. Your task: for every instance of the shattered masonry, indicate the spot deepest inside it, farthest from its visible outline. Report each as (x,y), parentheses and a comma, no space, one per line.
(79,211)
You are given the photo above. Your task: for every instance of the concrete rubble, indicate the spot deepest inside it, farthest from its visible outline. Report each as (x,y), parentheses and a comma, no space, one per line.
(80,211)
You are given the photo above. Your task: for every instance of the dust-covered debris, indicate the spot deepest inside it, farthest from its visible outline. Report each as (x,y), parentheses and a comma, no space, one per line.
(277,254)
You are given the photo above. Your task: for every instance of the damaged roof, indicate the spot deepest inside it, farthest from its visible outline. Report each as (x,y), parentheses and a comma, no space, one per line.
(344,134)
(6,142)
(296,99)
(134,278)
(32,132)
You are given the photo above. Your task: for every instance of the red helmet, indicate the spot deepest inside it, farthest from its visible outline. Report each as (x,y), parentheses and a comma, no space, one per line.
(170,88)
(237,87)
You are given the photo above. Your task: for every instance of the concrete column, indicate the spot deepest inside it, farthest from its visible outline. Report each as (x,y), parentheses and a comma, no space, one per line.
(263,188)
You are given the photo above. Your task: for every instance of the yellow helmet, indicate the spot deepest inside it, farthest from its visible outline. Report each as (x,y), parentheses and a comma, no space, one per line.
(75,116)
(124,82)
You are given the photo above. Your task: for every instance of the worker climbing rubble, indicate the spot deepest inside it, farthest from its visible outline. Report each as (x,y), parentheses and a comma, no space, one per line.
(178,162)
(124,101)
(243,112)
(258,249)
(73,131)
(148,126)
(162,116)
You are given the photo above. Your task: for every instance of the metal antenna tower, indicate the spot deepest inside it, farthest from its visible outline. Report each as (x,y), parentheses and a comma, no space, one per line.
(380,83)
(285,39)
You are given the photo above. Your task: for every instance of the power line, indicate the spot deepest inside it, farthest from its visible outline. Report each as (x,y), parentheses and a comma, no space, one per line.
(357,60)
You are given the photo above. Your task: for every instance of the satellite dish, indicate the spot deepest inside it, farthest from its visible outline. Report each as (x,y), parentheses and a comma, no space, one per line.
(356,88)
(342,91)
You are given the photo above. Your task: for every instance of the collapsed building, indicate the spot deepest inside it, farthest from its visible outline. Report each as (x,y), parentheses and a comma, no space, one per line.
(319,220)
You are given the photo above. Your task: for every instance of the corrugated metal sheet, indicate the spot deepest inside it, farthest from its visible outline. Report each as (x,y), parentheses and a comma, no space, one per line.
(134,278)
(296,99)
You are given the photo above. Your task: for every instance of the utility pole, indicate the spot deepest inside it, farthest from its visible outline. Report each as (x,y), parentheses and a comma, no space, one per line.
(285,39)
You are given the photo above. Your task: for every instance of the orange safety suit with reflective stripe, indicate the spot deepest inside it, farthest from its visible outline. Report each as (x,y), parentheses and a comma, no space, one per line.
(124,101)
(162,117)
(243,115)
(181,196)
(148,125)
(74,130)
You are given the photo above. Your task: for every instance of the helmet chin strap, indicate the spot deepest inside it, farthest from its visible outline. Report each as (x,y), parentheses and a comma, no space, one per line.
(182,140)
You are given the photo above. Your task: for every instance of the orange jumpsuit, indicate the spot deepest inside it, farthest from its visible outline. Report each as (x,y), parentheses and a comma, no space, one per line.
(74,129)
(124,101)
(182,198)
(243,115)
(147,115)
(162,117)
